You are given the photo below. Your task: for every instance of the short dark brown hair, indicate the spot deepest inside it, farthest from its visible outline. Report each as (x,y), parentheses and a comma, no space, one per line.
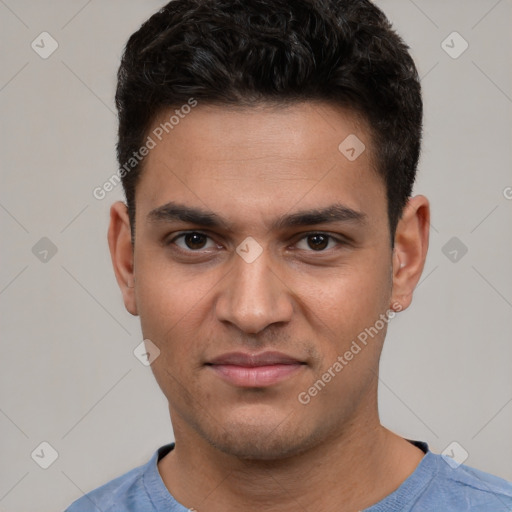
(243,52)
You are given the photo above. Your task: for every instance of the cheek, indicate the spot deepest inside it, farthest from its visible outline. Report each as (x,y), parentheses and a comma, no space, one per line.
(350,294)
(171,303)
(158,305)
(347,324)
(342,304)
(169,308)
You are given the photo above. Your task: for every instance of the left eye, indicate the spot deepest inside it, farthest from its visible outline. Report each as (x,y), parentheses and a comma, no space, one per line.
(318,242)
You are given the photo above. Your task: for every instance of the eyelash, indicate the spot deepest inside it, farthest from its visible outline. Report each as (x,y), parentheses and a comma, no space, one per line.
(305,236)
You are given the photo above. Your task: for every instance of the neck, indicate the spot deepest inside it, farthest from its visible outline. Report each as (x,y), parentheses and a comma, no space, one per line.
(354,469)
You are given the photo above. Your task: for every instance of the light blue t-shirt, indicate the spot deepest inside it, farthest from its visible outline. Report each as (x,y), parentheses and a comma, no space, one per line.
(435,485)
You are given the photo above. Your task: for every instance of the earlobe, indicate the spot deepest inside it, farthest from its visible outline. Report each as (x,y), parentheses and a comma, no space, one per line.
(121,252)
(410,250)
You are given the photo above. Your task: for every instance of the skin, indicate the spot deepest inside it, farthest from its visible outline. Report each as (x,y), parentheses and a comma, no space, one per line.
(260,448)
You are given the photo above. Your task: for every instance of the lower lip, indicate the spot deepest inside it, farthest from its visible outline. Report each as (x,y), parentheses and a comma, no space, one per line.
(258,376)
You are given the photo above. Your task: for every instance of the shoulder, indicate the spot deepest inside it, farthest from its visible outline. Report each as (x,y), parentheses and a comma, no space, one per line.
(110,494)
(463,488)
(439,483)
(127,491)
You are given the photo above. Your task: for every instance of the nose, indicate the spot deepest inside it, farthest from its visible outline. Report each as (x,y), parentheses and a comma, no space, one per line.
(253,296)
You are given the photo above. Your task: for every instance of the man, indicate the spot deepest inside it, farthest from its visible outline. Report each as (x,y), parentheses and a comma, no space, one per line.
(268,151)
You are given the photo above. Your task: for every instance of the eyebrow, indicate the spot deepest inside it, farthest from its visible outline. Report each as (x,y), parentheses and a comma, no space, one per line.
(172,212)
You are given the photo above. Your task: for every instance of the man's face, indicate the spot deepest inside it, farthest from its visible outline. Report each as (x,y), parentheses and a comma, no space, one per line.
(305,289)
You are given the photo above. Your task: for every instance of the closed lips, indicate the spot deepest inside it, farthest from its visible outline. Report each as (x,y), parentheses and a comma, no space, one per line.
(254,370)
(254,360)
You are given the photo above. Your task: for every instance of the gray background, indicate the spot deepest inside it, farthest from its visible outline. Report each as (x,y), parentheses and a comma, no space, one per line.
(68,373)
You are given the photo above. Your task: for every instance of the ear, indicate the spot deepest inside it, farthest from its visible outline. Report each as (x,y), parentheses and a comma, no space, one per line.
(410,250)
(121,251)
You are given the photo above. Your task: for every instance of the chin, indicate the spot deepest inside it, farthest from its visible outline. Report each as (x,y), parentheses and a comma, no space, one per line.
(263,441)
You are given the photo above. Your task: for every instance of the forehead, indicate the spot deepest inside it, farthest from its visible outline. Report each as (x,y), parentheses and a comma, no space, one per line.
(308,130)
(259,158)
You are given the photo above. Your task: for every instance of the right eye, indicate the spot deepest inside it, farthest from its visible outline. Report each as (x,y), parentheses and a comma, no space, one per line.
(192,241)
